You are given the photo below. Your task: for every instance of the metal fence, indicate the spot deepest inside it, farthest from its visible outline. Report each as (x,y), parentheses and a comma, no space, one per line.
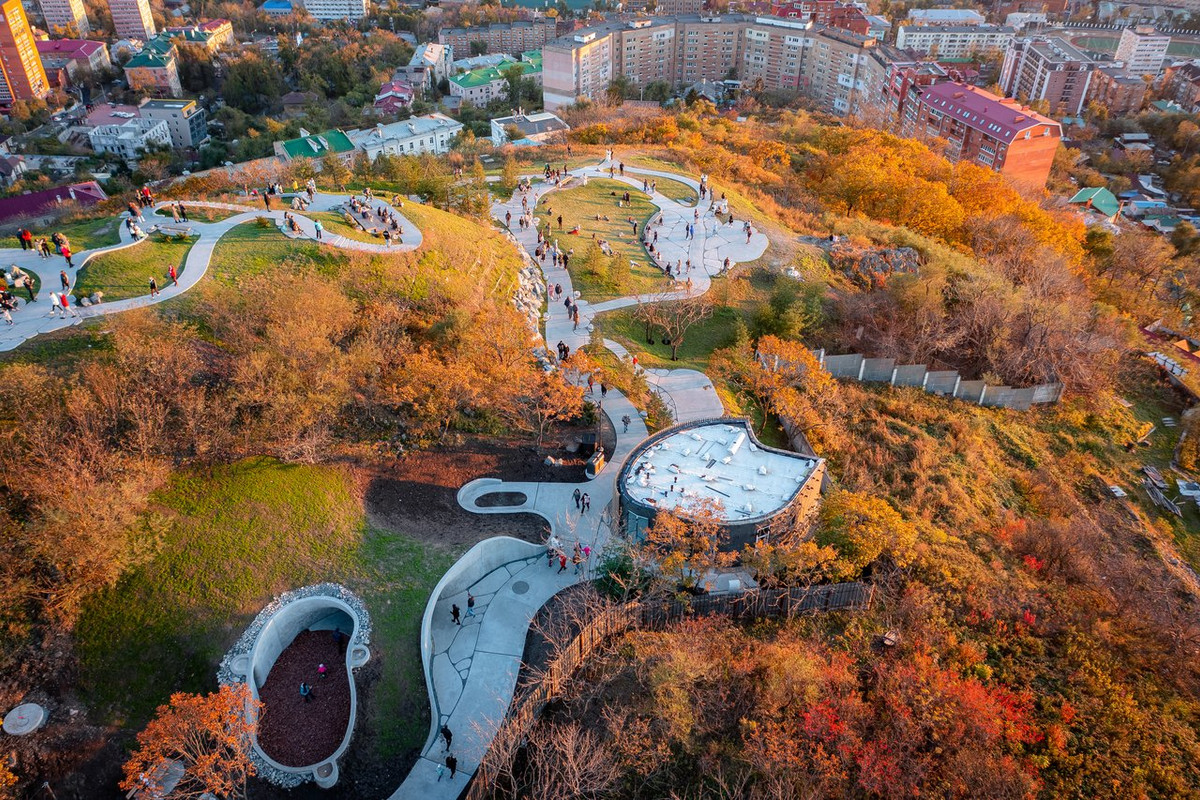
(529,701)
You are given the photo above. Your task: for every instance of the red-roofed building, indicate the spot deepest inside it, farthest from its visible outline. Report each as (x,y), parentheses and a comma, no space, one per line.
(823,12)
(47,201)
(72,55)
(393,97)
(978,126)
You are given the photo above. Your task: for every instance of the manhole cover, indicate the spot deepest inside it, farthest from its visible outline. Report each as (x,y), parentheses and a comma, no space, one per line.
(520,587)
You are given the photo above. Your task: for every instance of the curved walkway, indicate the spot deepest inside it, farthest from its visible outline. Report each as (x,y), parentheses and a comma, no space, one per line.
(471,670)
(32,319)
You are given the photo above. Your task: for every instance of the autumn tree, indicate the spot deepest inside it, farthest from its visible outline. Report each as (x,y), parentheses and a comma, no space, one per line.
(549,399)
(209,736)
(863,529)
(673,318)
(686,543)
(334,171)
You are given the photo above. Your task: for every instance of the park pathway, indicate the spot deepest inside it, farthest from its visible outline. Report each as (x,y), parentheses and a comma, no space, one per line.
(29,320)
(473,668)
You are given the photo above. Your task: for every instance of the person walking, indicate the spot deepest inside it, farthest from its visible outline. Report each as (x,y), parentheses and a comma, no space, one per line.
(27,282)
(603,390)
(306,692)
(173,274)
(575,496)
(577,560)
(153,287)
(452,763)
(319,228)
(27,239)
(591,384)
(585,503)
(64,280)
(321,670)
(183,212)
(55,305)
(43,248)
(562,563)
(21,237)
(470,604)
(448,736)
(455,614)
(65,299)
(441,772)
(625,420)
(174,213)
(267,200)
(66,253)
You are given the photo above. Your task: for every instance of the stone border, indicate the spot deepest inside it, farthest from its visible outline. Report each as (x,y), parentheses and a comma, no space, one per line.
(246,662)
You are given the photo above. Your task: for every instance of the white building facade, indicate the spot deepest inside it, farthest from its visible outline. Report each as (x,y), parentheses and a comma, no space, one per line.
(1142,50)
(131,138)
(431,133)
(352,10)
(955,41)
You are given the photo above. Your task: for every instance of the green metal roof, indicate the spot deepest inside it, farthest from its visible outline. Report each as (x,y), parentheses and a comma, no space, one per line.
(485,75)
(1101,199)
(148,58)
(317,145)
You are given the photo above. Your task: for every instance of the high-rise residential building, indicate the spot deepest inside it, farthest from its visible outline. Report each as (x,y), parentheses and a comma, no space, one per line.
(61,13)
(132,19)
(1142,50)
(186,121)
(955,41)
(500,37)
(1122,94)
(980,127)
(351,10)
(1049,69)
(23,75)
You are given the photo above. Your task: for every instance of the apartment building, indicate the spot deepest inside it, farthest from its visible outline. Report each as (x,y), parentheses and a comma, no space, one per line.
(130,138)
(431,133)
(73,55)
(23,76)
(579,66)
(955,41)
(350,10)
(829,13)
(980,127)
(901,75)
(670,8)
(505,37)
(708,48)
(1122,94)
(945,16)
(186,121)
(132,19)
(647,51)
(213,35)
(63,13)
(429,64)
(482,86)
(1049,69)
(1142,50)
(155,74)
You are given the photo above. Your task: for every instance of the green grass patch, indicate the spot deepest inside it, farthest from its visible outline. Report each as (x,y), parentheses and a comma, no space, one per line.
(126,273)
(198,213)
(587,207)
(234,537)
(252,249)
(88,234)
(678,191)
(335,224)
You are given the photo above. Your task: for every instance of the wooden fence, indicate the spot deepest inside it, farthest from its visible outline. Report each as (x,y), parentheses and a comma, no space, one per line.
(528,703)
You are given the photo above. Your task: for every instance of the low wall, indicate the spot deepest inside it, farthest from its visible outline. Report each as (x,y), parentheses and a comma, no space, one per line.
(485,557)
(322,607)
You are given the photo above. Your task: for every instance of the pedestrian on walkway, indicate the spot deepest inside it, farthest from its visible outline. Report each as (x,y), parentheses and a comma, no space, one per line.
(454,613)
(64,280)
(153,287)
(562,563)
(452,763)
(577,560)
(575,496)
(55,306)
(182,212)
(603,390)
(27,282)
(448,736)
(43,248)
(66,253)
(174,213)
(321,670)
(441,770)
(306,692)
(591,384)
(267,200)
(319,228)
(549,556)
(585,503)
(508,219)
(173,275)
(65,299)
(470,604)
(21,238)
(625,420)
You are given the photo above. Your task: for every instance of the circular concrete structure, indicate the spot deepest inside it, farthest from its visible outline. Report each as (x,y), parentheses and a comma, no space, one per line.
(24,719)
(313,608)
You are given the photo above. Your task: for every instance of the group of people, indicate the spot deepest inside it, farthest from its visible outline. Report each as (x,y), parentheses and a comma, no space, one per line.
(42,246)
(580,553)
(388,226)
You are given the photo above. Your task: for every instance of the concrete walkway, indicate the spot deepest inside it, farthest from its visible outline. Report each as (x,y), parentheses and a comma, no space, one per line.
(32,319)
(473,668)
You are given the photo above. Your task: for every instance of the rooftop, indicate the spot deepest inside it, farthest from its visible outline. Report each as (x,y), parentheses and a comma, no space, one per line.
(534,124)
(69,48)
(150,60)
(405,129)
(931,29)
(317,145)
(715,461)
(112,114)
(1057,50)
(1099,198)
(34,203)
(166,105)
(983,111)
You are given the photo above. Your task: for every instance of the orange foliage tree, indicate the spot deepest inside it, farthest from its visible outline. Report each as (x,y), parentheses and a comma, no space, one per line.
(209,736)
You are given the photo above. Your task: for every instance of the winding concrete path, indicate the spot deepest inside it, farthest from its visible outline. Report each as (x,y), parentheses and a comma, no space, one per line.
(472,668)
(32,319)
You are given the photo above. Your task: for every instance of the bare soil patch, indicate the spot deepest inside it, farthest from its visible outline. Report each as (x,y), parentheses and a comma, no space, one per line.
(294,731)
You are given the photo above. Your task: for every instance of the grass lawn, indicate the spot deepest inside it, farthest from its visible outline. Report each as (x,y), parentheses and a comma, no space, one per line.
(676,190)
(199,213)
(250,249)
(89,234)
(234,537)
(580,206)
(335,224)
(126,273)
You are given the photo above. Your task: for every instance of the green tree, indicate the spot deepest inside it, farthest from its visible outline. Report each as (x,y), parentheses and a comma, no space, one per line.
(863,529)
(252,83)
(513,74)
(334,172)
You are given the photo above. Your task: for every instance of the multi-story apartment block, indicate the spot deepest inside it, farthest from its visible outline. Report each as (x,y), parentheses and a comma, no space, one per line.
(23,77)
(1049,69)
(707,48)
(579,66)
(672,8)
(954,41)
(945,16)
(186,121)
(980,127)
(63,13)
(1124,94)
(132,19)
(901,75)
(129,138)
(73,55)
(351,10)
(154,73)
(505,37)
(1142,50)
(482,86)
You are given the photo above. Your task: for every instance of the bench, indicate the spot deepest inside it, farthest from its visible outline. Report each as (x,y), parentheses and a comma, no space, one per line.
(173,230)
